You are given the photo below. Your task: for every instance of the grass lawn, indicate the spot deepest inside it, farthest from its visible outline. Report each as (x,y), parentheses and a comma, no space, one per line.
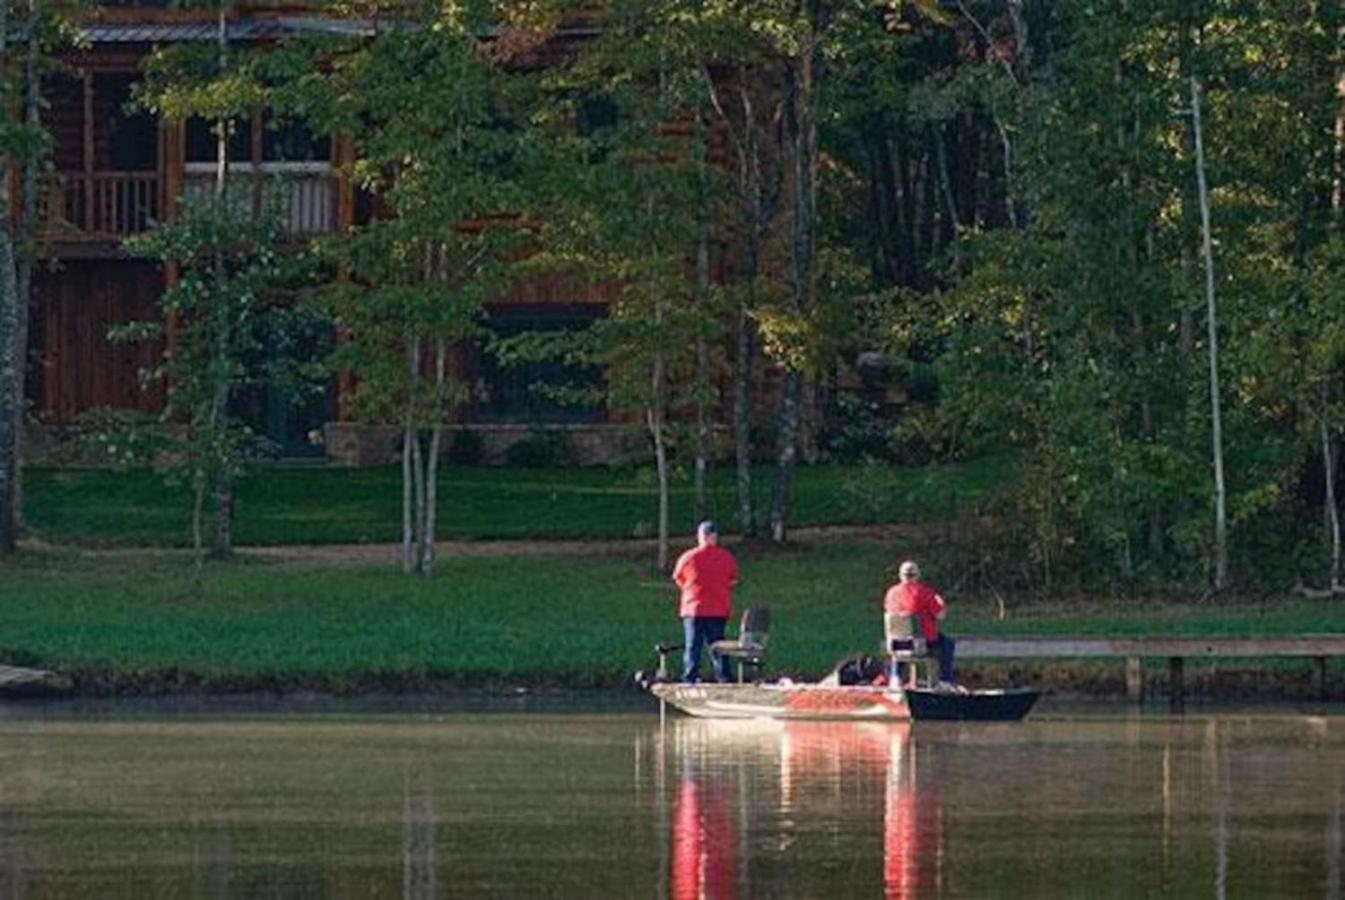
(282,505)
(129,620)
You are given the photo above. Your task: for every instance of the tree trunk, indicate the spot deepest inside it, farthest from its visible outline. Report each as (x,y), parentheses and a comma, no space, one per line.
(801,126)
(32,100)
(408,462)
(1329,498)
(786,454)
(654,417)
(703,387)
(427,549)
(1212,331)
(11,382)
(221,535)
(742,419)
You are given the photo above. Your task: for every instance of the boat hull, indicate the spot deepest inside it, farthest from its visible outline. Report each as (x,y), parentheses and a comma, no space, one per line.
(1008,705)
(865,703)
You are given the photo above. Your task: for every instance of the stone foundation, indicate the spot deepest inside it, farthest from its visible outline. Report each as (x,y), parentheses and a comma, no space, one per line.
(350,444)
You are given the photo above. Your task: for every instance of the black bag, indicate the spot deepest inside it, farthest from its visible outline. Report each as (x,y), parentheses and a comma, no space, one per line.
(857,670)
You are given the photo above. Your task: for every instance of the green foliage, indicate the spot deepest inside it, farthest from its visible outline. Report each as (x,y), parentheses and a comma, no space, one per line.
(466,448)
(230,310)
(542,448)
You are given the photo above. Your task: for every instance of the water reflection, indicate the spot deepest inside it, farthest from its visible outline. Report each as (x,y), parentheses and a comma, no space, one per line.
(1226,806)
(575,805)
(754,796)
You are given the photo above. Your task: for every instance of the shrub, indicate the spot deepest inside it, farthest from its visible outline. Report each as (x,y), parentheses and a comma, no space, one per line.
(467,448)
(542,448)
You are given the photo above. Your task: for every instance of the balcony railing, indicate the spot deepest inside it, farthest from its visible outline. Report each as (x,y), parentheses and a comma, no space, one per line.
(92,205)
(111,206)
(300,193)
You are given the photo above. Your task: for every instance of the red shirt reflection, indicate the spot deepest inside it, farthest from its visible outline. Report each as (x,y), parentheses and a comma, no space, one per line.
(703,847)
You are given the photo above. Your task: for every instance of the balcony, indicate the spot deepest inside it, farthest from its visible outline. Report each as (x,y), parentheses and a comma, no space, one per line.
(99,206)
(108,207)
(302,194)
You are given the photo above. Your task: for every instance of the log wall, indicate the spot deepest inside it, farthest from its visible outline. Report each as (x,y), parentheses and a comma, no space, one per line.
(77,368)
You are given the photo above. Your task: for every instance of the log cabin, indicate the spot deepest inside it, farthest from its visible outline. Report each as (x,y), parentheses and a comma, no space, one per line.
(115,172)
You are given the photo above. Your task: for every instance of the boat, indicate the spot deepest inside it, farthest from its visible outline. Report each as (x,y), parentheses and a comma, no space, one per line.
(785,700)
(860,702)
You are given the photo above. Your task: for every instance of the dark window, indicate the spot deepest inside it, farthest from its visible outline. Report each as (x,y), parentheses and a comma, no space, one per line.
(596,120)
(517,393)
(292,141)
(288,413)
(201,140)
(63,117)
(130,136)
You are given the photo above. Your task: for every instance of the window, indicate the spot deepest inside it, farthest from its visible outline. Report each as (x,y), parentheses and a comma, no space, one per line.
(287,141)
(516,393)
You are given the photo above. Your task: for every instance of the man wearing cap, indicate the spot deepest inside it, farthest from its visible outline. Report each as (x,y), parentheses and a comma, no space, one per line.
(706,575)
(911,597)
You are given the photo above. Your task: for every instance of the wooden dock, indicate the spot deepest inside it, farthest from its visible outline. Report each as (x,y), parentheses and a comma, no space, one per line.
(18,681)
(1176,650)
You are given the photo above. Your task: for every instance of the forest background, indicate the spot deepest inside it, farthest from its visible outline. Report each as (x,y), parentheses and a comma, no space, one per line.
(1100,239)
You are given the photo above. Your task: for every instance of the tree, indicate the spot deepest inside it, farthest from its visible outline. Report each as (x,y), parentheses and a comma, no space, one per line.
(631,206)
(223,87)
(235,296)
(22,141)
(441,141)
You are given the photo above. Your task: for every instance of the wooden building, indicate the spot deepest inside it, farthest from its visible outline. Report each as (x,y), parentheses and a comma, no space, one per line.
(117,172)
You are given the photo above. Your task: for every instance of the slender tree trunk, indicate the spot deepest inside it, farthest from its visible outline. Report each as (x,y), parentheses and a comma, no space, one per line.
(427,552)
(704,390)
(1329,498)
(418,498)
(199,490)
(949,201)
(654,414)
(742,417)
(221,536)
(408,459)
(32,100)
(1212,333)
(11,381)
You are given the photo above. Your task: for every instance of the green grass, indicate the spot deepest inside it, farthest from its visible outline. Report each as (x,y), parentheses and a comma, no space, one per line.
(131,620)
(280,505)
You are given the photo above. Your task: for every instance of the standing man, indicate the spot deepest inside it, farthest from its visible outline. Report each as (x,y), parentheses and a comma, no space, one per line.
(706,575)
(912,597)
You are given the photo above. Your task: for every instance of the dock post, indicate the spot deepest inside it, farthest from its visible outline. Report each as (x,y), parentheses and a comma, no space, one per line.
(1176,684)
(1134,680)
(1319,677)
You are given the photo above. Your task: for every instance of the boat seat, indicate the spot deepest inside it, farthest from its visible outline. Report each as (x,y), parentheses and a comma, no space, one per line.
(748,649)
(907,649)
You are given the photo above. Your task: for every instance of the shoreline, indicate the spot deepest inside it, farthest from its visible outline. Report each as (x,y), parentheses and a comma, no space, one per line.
(1091,682)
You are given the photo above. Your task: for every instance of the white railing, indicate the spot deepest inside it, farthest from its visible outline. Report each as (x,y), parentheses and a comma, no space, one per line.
(107,204)
(301,193)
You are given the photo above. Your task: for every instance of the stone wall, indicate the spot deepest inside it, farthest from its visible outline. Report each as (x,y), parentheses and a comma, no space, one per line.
(350,444)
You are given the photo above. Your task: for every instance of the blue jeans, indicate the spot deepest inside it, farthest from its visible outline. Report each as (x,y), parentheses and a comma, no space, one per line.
(945,646)
(698,632)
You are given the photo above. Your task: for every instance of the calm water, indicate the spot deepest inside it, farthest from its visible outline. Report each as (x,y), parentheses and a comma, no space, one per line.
(344,804)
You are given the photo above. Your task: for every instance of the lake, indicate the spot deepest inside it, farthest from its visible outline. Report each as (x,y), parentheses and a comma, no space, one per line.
(232,801)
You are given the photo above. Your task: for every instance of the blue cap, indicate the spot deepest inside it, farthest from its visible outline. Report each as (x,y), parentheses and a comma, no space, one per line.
(707,527)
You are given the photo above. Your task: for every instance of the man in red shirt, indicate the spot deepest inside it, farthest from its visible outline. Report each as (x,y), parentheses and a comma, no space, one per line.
(706,574)
(912,597)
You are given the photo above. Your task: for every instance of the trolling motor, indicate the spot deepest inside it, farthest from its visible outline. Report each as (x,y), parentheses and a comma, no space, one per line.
(644,679)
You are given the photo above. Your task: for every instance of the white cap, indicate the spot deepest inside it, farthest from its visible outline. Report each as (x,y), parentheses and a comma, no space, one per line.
(909,569)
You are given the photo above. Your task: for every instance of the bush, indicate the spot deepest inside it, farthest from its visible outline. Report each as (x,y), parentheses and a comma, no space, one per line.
(542,448)
(467,448)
